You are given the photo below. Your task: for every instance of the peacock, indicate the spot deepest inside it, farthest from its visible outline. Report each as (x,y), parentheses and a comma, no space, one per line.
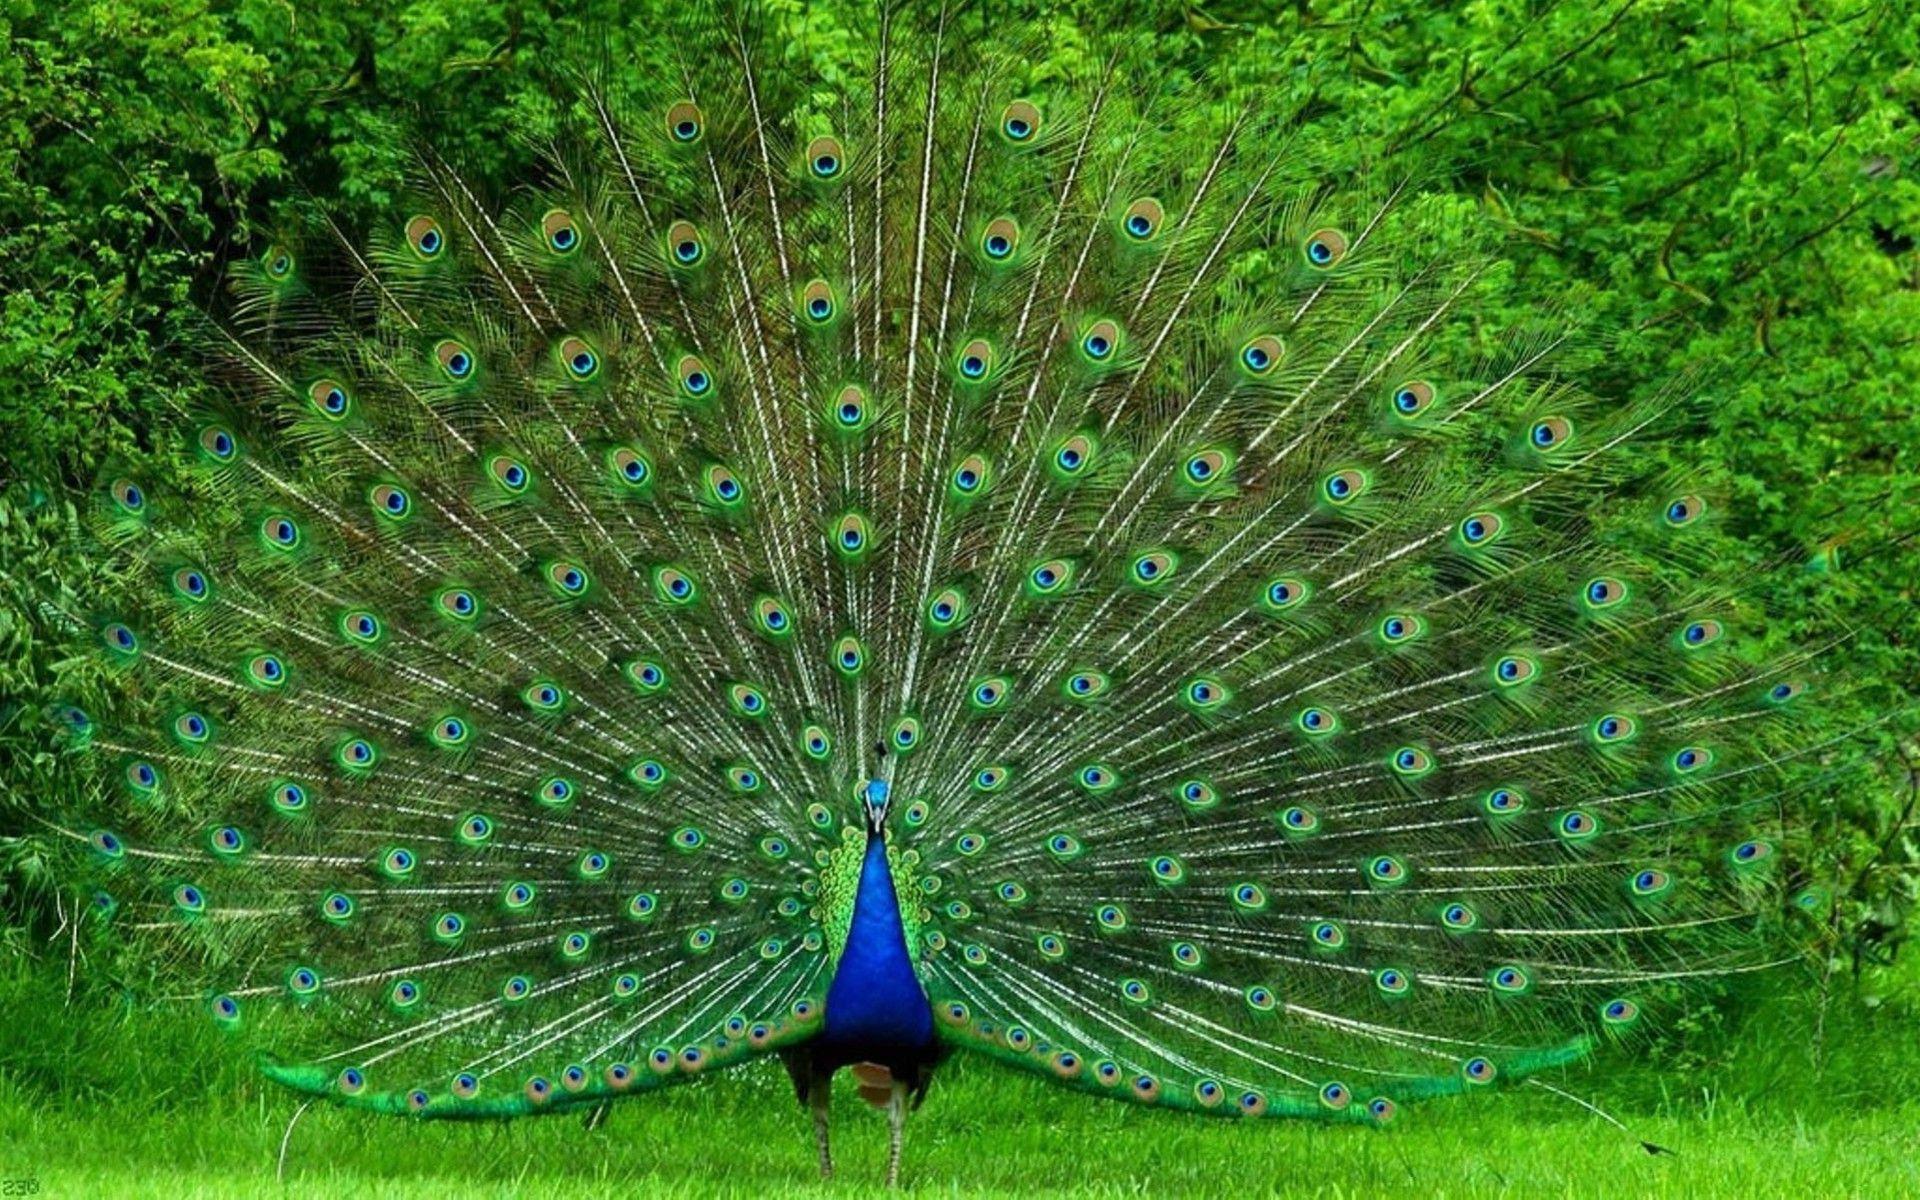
(937,559)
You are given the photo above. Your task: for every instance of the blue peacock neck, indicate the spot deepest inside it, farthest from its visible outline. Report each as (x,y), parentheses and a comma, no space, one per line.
(876,1008)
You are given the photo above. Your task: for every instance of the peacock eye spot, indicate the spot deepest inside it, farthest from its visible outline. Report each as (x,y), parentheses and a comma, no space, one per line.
(826,164)
(998,246)
(684,130)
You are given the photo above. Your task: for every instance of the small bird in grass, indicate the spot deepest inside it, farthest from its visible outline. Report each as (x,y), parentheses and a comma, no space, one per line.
(936,559)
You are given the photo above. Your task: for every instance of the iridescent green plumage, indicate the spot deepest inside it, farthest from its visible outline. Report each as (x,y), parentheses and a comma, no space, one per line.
(1296,699)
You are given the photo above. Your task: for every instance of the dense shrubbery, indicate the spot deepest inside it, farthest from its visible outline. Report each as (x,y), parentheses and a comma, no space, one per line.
(1728,190)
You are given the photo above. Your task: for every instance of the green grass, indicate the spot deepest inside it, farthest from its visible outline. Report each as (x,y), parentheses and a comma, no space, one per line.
(103,1102)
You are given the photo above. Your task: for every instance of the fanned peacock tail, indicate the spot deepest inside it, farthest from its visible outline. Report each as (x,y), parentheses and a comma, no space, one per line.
(1293,696)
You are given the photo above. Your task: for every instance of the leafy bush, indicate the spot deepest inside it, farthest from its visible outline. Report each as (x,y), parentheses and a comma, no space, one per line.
(1727,189)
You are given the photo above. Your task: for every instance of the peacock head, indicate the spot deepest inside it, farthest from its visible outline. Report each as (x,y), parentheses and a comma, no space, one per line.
(875,795)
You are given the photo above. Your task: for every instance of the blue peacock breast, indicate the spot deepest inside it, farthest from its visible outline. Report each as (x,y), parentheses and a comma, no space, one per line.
(876,1002)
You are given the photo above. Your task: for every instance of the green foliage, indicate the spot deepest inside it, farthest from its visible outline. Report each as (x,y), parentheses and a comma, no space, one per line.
(1725,192)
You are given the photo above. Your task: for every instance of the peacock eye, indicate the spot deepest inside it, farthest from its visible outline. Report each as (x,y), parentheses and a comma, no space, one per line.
(1100,340)
(1549,433)
(1142,219)
(685,122)
(1260,355)
(1325,247)
(424,235)
(1020,121)
(825,157)
(558,229)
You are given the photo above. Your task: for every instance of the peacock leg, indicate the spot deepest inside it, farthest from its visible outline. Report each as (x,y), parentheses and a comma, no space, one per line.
(818,1097)
(896,1121)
